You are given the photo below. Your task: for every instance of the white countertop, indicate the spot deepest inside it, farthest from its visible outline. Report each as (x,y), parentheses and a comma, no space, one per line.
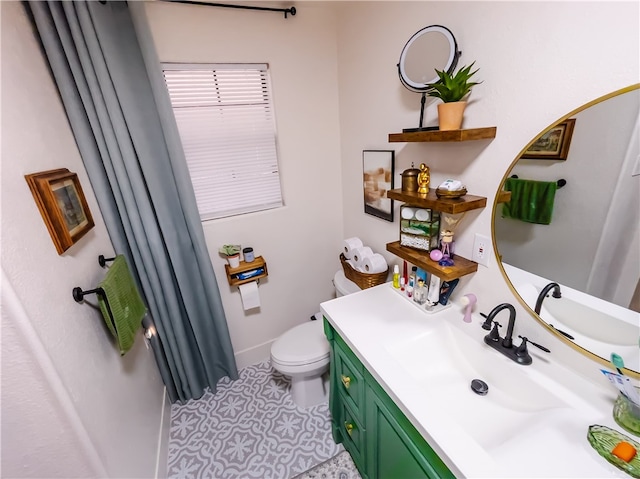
(372,319)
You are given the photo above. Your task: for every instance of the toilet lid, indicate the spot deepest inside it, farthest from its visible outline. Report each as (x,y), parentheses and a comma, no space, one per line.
(302,344)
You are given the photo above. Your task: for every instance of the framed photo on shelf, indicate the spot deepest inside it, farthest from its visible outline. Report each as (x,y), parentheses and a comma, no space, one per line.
(62,205)
(554,144)
(378,166)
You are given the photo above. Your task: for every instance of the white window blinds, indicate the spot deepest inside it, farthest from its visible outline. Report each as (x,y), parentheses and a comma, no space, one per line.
(226,123)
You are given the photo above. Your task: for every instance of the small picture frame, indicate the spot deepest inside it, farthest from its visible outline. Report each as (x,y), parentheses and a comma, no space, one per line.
(378,169)
(554,144)
(62,205)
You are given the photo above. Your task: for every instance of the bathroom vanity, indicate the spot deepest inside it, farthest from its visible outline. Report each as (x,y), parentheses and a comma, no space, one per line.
(402,405)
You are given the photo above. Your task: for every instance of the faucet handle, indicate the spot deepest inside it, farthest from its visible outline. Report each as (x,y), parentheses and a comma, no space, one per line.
(523,345)
(494,335)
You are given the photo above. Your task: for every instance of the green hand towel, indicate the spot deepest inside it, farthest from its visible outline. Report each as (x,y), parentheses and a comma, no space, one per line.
(125,303)
(531,201)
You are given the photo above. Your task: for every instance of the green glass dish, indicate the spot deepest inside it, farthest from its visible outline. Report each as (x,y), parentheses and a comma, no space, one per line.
(627,414)
(604,439)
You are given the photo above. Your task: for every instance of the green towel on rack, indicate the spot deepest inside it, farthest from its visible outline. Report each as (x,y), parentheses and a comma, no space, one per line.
(125,303)
(531,201)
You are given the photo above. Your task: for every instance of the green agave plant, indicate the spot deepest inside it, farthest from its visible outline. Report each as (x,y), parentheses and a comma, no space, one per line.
(450,88)
(229,249)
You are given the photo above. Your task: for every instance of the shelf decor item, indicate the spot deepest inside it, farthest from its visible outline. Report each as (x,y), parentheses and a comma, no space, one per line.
(232,252)
(363,280)
(62,205)
(419,227)
(378,175)
(452,89)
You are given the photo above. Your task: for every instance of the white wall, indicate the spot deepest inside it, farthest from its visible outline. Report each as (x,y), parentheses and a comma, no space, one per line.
(71,405)
(300,242)
(538,60)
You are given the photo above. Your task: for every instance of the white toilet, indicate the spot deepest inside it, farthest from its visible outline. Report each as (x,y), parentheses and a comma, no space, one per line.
(302,353)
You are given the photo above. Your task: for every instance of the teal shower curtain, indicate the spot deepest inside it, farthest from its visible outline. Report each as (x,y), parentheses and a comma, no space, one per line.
(122,121)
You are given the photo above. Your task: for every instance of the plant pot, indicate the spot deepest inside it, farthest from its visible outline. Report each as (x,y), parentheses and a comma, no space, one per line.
(234,261)
(450,115)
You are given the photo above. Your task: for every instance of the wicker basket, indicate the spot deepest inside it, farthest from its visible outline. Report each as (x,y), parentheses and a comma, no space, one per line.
(363,280)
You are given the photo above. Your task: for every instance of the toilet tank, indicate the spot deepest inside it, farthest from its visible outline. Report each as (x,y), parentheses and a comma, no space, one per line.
(343,285)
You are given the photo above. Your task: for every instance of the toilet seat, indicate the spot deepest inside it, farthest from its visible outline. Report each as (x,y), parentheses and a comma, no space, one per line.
(301,345)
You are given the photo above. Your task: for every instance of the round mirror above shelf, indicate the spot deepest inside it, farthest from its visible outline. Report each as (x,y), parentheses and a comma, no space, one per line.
(429,49)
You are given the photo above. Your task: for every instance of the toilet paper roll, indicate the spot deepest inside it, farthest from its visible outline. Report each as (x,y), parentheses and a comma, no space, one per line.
(422,215)
(359,254)
(250,295)
(374,264)
(349,245)
(407,213)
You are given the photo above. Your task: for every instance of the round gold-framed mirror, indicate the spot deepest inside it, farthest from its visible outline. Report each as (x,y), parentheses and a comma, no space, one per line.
(583,235)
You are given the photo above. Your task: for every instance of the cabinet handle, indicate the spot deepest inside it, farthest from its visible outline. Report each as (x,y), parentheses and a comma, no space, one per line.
(349,427)
(346,380)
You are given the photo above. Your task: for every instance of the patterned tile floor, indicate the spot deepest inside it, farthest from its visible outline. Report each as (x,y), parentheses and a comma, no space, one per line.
(249,429)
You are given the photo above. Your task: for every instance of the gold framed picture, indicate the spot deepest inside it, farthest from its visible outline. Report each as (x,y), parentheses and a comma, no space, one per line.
(62,205)
(554,144)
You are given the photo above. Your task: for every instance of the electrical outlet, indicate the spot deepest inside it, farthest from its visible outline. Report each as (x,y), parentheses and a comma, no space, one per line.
(481,249)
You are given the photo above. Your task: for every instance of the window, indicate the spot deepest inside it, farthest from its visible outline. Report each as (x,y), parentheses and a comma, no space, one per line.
(226,123)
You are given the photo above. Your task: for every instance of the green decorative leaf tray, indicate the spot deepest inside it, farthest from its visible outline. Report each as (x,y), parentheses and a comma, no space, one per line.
(604,439)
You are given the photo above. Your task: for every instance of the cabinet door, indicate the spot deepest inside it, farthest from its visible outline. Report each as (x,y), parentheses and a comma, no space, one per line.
(349,377)
(395,448)
(353,435)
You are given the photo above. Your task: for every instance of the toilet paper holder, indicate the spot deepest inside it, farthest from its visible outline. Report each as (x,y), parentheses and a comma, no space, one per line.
(247,272)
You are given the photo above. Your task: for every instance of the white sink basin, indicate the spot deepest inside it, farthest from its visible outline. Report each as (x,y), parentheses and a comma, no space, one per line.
(444,361)
(592,323)
(596,325)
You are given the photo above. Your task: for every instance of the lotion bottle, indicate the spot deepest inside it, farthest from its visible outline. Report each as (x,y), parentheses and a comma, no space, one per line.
(396,276)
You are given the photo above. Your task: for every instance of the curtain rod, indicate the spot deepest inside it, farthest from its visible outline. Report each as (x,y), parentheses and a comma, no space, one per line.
(286,11)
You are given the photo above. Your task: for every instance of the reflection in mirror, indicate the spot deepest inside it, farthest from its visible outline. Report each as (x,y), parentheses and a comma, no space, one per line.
(591,247)
(431,48)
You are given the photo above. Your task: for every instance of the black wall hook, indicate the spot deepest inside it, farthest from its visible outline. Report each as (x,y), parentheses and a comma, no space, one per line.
(79,294)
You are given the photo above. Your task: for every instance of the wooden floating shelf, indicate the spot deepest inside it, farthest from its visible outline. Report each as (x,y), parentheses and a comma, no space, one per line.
(504,197)
(446,205)
(421,259)
(430,200)
(470,134)
(258,262)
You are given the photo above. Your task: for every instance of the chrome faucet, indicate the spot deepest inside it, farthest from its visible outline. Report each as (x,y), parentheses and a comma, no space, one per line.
(505,345)
(543,294)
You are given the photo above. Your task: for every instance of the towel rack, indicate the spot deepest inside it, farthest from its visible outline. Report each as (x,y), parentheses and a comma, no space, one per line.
(561,182)
(102,261)
(79,294)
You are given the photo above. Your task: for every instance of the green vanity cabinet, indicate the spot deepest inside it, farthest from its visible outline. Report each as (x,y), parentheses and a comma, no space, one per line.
(381,440)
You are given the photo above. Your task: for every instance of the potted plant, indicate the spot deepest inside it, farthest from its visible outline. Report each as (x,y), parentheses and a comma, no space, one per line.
(232,252)
(452,89)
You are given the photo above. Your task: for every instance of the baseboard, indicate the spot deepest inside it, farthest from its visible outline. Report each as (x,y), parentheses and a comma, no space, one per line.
(254,355)
(162,455)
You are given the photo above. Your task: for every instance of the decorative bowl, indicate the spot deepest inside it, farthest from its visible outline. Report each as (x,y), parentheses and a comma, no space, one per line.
(450,194)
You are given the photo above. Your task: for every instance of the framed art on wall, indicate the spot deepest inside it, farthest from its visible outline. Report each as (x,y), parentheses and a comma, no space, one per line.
(554,144)
(62,205)
(378,168)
